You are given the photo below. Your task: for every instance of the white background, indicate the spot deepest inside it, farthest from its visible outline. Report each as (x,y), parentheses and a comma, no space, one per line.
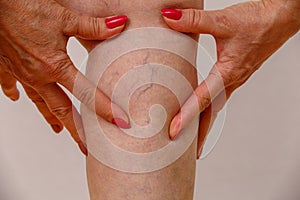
(257,156)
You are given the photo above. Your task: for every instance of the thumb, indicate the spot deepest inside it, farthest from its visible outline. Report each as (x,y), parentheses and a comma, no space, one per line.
(91,28)
(192,20)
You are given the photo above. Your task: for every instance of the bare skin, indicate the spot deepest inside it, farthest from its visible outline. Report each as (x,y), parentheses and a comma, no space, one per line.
(234,67)
(33,39)
(246,35)
(232,70)
(104,182)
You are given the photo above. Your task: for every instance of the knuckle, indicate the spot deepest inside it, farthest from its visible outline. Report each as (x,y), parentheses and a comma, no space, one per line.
(94,26)
(69,22)
(229,76)
(93,29)
(204,101)
(4,61)
(31,80)
(82,26)
(66,16)
(226,72)
(225,24)
(59,66)
(31,74)
(62,112)
(87,96)
(37,100)
(194,18)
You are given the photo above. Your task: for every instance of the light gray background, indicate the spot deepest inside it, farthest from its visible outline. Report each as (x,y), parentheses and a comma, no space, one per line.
(257,156)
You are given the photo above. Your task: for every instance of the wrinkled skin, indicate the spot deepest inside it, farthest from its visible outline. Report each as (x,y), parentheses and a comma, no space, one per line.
(246,35)
(33,39)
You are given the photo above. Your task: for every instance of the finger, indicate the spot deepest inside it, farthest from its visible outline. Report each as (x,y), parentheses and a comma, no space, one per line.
(91,28)
(90,95)
(205,122)
(199,101)
(194,21)
(9,87)
(60,105)
(56,125)
(207,119)
(209,115)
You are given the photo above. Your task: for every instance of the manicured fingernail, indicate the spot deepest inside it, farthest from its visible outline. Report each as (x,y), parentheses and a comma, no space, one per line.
(113,22)
(175,129)
(57,128)
(121,123)
(171,13)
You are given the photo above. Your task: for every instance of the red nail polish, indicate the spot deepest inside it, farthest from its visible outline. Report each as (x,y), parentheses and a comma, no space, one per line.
(113,22)
(120,123)
(174,137)
(171,13)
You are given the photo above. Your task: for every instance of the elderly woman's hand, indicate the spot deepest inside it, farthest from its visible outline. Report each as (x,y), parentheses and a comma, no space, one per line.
(246,35)
(33,39)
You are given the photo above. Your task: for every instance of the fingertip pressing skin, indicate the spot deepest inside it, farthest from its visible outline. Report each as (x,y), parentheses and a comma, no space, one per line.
(121,123)
(191,20)
(229,27)
(114,26)
(110,111)
(171,13)
(90,28)
(119,117)
(173,18)
(84,90)
(113,22)
(178,20)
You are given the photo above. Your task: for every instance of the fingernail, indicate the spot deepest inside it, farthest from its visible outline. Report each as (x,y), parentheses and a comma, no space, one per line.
(171,13)
(175,129)
(120,123)
(57,128)
(113,22)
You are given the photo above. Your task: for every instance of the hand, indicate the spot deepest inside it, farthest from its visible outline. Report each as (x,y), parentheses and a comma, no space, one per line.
(33,39)
(246,35)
